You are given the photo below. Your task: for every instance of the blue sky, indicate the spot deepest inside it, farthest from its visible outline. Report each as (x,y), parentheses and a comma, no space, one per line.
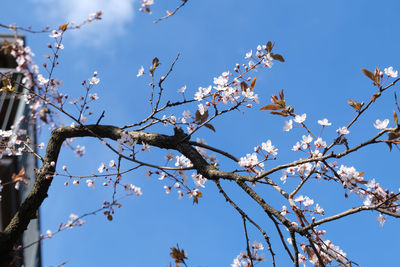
(325,44)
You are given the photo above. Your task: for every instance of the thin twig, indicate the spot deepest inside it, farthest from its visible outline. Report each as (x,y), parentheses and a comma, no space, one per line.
(169,14)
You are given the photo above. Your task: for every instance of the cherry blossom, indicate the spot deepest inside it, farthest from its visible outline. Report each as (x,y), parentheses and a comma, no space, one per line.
(101,168)
(300,118)
(267,146)
(182,89)
(94,80)
(250,160)
(49,234)
(42,80)
(199,180)
(202,109)
(297,146)
(391,72)
(324,122)
(249,54)
(55,34)
(288,125)
(381,219)
(59,46)
(319,143)
(183,162)
(90,183)
(305,143)
(93,96)
(146,6)
(343,130)
(140,72)
(284,210)
(381,124)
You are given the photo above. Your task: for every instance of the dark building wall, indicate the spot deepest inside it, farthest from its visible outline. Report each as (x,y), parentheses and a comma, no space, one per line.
(11,109)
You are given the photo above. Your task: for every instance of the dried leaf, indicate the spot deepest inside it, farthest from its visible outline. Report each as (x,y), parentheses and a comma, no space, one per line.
(253,83)
(63,27)
(269,46)
(178,255)
(275,100)
(395,118)
(278,57)
(201,118)
(281,95)
(244,86)
(368,74)
(155,63)
(377,76)
(271,107)
(356,106)
(20,177)
(109,217)
(209,126)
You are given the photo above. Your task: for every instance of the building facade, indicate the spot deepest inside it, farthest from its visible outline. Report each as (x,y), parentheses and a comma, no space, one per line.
(12,109)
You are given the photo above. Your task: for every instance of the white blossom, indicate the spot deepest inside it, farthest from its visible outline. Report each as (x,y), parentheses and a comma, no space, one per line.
(381,124)
(391,72)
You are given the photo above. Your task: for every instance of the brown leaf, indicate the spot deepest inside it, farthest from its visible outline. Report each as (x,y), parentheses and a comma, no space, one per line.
(109,217)
(269,46)
(20,177)
(368,74)
(377,75)
(395,118)
(178,254)
(253,83)
(271,107)
(209,126)
(201,118)
(63,27)
(244,86)
(277,57)
(357,106)
(155,63)
(281,95)
(275,100)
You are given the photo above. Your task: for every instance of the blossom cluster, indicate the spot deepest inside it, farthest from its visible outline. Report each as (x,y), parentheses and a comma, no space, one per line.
(244,260)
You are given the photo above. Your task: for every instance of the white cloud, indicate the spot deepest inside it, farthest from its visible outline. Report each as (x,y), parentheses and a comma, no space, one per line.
(116,14)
